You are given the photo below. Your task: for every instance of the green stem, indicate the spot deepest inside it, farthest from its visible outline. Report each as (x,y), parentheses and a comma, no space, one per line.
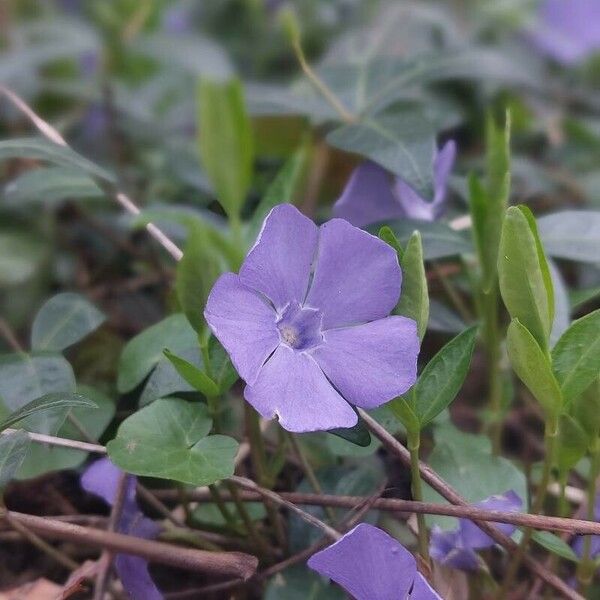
(452,294)
(586,566)
(550,438)
(414,443)
(491,336)
(225,512)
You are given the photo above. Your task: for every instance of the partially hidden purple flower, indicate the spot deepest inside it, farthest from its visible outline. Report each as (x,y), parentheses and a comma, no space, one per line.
(371,565)
(372,194)
(306,322)
(578,542)
(457,548)
(567,30)
(102,479)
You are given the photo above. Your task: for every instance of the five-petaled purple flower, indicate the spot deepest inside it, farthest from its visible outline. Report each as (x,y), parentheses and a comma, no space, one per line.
(371,565)
(306,322)
(372,195)
(567,30)
(457,548)
(102,479)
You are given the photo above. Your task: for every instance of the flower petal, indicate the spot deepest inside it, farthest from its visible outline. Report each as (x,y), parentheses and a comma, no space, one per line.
(445,548)
(357,277)
(243,322)
(292,386)
(279,263)
(367,197)
(422,590)
(473,537)
(102,478)
(371,364)
(368,563)
(442,167)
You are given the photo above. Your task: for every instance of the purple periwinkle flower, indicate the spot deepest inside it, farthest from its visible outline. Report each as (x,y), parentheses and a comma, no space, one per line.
(102,479)
(457,548)
(578,542)
(306,322)
(371,565)
(567,30)
(372,194)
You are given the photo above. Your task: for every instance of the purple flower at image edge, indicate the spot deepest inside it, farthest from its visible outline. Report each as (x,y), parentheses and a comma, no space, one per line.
(306,322)
(371,565)
(372,194)
(102,479)
(457,548)
(578,542)
(567,30)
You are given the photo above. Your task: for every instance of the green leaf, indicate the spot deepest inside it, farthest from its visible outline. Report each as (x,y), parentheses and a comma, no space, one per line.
(554,544)
(443,376)
(223,371)
(466,462)
(414,300)
(525,282)
(572,234)
(358,435)
(533,367)
(404,410)
(41,149)
(82,423)
(55,401)
(193,375)
(13,451)
(572,443)
(50,185)
(197,271)
(401,141)
(226,145)
(22,256)
(576,356)
(280,191)
(389,237)
(64,320)
(585,409)
(142,353)
(168,439)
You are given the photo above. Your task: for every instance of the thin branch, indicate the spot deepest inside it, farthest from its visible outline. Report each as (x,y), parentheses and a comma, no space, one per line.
(450,494)
(125,201)
(234,564)
(277,499)
(52,440)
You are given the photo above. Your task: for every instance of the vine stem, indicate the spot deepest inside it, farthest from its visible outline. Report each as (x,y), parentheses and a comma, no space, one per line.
(414,443)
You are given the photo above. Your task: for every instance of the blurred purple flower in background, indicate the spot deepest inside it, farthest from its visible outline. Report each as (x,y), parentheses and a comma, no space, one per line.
(309,311)
(373,195)
(177,19)
(371,565)
(567,30)
(457,548)
(595,541)
(102,479)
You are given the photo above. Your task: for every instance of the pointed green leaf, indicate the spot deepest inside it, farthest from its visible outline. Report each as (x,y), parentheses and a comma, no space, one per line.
(533,367)
(414,300)
(576,356)
(389,237)
(585,409)
(443,376)
(572,443)
(525,282)
(13,450)
(358,435)
(64,320)
(554,544)
(226,145)
(196,273)
(193,375)
(55,401)
(169,439)
(403,408)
